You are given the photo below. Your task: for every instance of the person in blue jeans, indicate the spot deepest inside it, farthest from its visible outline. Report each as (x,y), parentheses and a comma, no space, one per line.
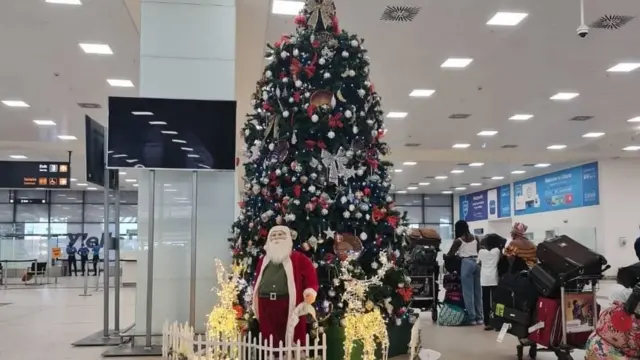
(467,246)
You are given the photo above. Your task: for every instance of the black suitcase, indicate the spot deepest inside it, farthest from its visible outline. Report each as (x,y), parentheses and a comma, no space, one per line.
(516,291)
(629,276)
(563,255)
(545,282)
(519,321)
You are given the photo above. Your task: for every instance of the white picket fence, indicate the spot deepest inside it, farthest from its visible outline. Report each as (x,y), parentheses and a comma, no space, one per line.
(180,343)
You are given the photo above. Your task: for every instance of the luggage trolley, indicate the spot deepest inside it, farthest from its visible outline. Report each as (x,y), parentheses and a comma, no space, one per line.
(424,269)
(570,331)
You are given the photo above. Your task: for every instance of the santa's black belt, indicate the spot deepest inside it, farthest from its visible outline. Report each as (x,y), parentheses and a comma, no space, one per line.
(273,296)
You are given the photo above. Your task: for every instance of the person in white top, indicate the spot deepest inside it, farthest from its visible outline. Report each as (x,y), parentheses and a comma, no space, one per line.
(466,246)
(488,258)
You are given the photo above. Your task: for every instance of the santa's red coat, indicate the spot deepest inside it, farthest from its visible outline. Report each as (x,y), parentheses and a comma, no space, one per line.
(301,280)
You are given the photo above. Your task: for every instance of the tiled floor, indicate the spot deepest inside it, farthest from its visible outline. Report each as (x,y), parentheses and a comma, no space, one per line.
(42,323)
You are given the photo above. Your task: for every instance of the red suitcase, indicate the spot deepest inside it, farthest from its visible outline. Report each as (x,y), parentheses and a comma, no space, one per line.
(548,314)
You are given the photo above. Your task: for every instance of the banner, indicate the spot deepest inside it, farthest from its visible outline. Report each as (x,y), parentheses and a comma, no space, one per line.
(566,189)
(486,205)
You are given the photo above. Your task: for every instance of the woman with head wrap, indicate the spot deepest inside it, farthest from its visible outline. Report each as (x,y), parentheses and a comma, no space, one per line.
(520,246)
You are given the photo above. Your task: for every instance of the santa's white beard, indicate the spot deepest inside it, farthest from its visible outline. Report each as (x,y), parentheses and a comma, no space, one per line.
(277,253)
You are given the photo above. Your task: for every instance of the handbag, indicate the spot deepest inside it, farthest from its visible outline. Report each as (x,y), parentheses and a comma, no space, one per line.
(452,315)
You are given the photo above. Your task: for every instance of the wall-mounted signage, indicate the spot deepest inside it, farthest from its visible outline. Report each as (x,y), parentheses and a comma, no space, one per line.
(560,190)
(35,174)
(487,204)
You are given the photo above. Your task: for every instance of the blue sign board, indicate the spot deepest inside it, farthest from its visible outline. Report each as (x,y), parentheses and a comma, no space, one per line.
(487,204)
(566,189)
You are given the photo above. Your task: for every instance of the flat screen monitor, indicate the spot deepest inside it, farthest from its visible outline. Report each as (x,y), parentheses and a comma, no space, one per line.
(95,161)
(171,134)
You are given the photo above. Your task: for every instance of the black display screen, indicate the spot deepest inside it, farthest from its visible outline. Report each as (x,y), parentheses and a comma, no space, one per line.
(171,134)
(34,174)
(95,162)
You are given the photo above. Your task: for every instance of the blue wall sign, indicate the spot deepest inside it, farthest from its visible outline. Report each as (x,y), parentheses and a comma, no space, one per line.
(566,189)
(487,204)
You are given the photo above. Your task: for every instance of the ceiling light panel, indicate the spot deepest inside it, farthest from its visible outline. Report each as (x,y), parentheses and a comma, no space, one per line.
(460,146)
(497,177)
(15,103)
(17,156)
(67,137)
(624,67)
(518,172)
(521,117)
(456,63)
(397,115)
(634,120)
(397,170)
(142,113)
(556,147)
(120,83)
(447,192)
(441,177)
(409,163)
(44,122)
(456,171)
(424,184)
(99,49)
(461,188)
(475,184)
(507,18)
(401,192)
(286,7)
(476,164)
(564,96)
(542,165)
(65,2)
(593,135)
(157,123)
(631,148)
(422,93)
(412,188)
(487,133)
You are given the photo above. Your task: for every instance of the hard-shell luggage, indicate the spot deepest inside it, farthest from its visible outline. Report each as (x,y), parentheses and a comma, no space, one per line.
(547,314)
(516,291)
(629,276)
(519,320)
(546,282)
(563,255)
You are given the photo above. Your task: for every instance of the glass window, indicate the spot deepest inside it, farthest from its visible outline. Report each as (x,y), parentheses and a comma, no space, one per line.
(414,213)
(32,213)
(128,214)
(97,197)
(31,194)
(6,229)
(6,212)
(437,215)
(408,200)
(66,213)
(4,196)
(66,197)
(94,213)
(128,197)
(438,200)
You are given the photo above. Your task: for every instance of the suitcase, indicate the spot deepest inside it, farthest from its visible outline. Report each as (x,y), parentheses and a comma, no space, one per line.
(563,255)
(520,331)
(516,291)
(548,313)
(546,282)
(629,276)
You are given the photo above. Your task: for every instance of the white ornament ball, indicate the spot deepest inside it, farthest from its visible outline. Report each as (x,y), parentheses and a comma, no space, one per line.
(346,214)
(291,100)
(332,293)
(278,172)
(298,83)
(389,198)
(348,114)
(268,74)
(343,199)
(352,73)
(363,237)
(325,304)
(374,265)
(322,61)
(374,133)
(349,154)
(312,188)
(272,146)
(285,113)
(324,212)
(247,132)
(285,80)
(314,176)
(364,207)
(398,321)
(314,118)
(284,54)
(360,172)
(369,122)
(355,43)
(336,282)
(362,93)
(355,129)
(358,215)
(345,54)
(352,207)
(331,134)
(296,52)
(307,94)
(327,75)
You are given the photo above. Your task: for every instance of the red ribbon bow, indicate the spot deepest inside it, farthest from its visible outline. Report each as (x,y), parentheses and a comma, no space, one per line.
(283,40)
(296,67)
(377,214)
(393,221)
(406,293)
(311,144)
(311,109)
(334,121)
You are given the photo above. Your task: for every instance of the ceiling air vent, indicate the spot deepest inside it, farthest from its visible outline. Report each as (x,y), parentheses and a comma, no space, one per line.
(486,178)
(459,116)
(529,165)
(509,146)
(462,164)
(90,106)
(581,118)
(411,145)
(400,13)
(611,22)
(429,177)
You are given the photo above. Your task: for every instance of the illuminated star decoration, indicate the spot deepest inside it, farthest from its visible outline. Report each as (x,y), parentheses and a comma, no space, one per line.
(329,233)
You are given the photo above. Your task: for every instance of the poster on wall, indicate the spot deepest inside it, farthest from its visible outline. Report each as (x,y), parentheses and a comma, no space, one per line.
(566,189)
(486,205)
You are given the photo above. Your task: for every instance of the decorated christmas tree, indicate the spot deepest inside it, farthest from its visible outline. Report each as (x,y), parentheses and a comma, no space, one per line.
(314,163)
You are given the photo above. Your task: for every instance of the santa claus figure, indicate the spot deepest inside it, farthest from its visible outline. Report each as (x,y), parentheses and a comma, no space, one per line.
(285,278)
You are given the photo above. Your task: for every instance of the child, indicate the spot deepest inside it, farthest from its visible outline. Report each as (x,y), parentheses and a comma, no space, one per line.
(488,257)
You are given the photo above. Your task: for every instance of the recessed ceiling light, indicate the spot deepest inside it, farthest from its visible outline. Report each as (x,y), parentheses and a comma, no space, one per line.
(397,170)
(92,188)
(631,148)
(424,184)
(593,135)
(412,188)
(120,82)
(44,122)
(66,2)
(422,93)
(120,155)
(478,164)
(456,63)
(170,190)
(135,185)
(634,120)
(130,180)
(542,165)
(487,133)
(73,179)
(460,188)
(82,184)
(193,155)
(507,18)
(122,173)
(397,115)
(284,7)
(497,178)
(401,192)
(409,163)
(179,141)
(169,132)
(518,172)
(460,146)
(100,49)
(475,184)
(142,113)
(15,103)
(186,149)
(67,137)
(157,123)
(447,192)
(17,156)
(440,177)
(556,147)
(456,171)
(564,96)
(624,67)
(521,117)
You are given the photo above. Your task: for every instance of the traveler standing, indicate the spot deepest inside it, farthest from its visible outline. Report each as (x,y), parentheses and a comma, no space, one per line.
(71,259)
(636,245)
(466,246)
(488,258)
(84,257)
(96,258)
(520,246)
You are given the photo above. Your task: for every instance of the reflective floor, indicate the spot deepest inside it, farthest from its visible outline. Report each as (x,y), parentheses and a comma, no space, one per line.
(38,324)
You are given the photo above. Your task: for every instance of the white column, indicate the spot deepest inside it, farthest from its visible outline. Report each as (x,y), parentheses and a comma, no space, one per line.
(187,51)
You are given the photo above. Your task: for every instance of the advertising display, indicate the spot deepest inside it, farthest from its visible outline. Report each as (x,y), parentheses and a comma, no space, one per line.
(486,205)
(35,174)
(566,189)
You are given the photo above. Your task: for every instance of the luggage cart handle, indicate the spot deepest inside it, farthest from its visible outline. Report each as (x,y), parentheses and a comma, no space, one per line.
(606,267)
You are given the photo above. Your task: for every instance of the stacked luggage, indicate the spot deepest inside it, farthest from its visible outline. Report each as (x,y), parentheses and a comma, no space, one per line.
(453,312)
(424,269)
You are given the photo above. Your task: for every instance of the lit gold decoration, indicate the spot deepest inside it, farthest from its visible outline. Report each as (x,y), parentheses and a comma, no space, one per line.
(320,9)
(361,324)
(223,324)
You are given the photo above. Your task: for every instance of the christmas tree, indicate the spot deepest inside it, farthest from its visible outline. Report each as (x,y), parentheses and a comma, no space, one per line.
(314,152)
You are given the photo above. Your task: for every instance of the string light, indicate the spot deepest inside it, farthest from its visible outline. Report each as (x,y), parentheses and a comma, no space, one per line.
(223,325)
